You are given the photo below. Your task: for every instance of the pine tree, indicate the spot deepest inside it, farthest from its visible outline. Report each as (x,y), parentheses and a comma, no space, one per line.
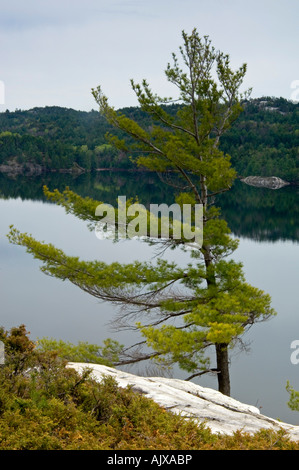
(208,304)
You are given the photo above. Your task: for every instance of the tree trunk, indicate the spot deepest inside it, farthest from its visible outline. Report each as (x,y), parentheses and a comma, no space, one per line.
(221,348)
(223,368)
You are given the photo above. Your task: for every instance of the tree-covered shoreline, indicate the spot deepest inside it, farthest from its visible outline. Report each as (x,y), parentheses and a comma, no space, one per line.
(263,141)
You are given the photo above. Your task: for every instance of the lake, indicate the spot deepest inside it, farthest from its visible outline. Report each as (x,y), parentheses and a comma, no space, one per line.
(265,221)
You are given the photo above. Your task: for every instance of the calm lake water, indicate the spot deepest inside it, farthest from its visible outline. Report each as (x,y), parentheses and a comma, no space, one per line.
(265,221)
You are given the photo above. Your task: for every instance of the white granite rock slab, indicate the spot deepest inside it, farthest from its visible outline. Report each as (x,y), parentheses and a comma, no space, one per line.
(220,413)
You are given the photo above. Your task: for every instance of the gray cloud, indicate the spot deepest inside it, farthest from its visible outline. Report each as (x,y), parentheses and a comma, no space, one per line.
(53,53)
(39,13)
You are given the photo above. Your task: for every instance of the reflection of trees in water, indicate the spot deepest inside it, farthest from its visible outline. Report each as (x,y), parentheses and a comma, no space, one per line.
(257,213)
(104,186)
(262,214)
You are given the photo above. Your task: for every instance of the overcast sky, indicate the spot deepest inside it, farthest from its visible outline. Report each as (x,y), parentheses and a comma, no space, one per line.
(54,51)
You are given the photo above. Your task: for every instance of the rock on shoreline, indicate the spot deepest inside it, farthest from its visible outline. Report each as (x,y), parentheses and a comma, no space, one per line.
(222,414)
(13,168)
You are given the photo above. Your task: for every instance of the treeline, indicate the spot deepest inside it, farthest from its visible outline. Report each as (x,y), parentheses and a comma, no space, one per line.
(263,141)
(55,138)
(50,154)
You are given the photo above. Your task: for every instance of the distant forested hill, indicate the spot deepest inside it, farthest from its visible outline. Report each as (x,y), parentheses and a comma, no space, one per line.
(263,141)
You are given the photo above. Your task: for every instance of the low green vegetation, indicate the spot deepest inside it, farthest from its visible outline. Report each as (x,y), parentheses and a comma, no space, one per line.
(44,405)
(108,354)
(293,402)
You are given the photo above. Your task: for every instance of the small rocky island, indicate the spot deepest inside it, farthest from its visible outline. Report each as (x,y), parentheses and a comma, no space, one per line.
(271,182)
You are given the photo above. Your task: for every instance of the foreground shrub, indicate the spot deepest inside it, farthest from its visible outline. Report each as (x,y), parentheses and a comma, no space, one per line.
(44,405)
(107,354)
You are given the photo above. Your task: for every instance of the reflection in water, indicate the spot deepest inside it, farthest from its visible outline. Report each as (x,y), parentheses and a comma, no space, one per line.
(49,307)
(257,213)
(262,214)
